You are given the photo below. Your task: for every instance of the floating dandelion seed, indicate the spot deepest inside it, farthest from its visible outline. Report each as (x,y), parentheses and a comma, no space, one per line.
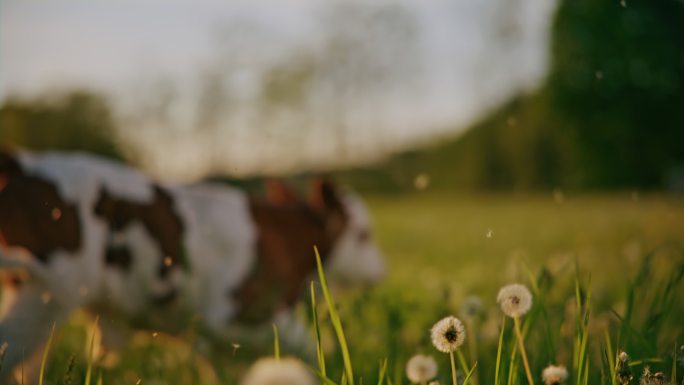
(421,182)
(236,346)
(46,297)
(490,233)
(286,371)
(421,368)
(554,375)
(447,335)
(515,300)
(558,196)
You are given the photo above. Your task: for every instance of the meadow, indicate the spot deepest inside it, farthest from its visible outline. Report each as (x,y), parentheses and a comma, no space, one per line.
(605,271)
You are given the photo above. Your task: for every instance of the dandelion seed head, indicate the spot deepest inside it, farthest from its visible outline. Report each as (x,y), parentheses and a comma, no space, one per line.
(421,368)
(648,378)
(471,307)
(448,334)
(554,375)
(515,300)
(624,374)
(286,371)
(46,297)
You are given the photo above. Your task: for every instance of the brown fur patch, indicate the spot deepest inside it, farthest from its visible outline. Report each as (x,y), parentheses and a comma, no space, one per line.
(286,236)
(28,205)
(159,219)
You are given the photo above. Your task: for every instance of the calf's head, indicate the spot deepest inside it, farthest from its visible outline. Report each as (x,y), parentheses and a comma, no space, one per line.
(288,227)
(354,257)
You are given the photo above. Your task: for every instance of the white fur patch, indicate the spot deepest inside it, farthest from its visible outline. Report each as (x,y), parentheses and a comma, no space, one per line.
(355,257)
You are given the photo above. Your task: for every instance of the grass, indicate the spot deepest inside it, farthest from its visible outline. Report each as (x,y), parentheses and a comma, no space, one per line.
(442,249)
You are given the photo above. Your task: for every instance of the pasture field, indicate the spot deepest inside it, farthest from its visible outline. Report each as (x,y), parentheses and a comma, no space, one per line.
(606,272)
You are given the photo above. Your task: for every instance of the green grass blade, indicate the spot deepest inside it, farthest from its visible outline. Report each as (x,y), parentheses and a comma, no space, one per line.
(276,343)
(383,370)
(498,352)
(319,346)
(462,361)
(325,380)
(470,374)
(45,354)
(674,365)
(612,358)
(335,319)
(91,347)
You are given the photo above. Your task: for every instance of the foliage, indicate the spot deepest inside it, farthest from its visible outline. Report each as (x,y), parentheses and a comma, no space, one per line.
(609,116)
(78,120)
(629,301)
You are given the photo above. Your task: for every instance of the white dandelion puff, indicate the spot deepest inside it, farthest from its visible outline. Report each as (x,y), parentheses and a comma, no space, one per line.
(448,334)
(623,372)
(623,357)
(515,300)
(471,307)
(554,375)
(648,378)
(421,369)
(286,371)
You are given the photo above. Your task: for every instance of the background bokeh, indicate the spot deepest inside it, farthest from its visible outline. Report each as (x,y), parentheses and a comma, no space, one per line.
(502,95)
(494,141)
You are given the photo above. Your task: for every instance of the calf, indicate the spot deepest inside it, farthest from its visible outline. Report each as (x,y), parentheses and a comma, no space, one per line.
(94,234)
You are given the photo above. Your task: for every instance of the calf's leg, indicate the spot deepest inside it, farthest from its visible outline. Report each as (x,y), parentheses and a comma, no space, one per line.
(29,312)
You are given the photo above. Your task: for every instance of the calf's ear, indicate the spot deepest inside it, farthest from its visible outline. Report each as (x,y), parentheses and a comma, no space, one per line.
(278,193)
(8,162)
(324,196)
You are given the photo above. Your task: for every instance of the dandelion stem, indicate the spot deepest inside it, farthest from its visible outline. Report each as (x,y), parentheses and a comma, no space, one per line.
(521,345)
(453,367)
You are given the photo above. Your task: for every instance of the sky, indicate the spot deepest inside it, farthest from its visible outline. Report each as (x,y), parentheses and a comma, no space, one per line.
(200,67)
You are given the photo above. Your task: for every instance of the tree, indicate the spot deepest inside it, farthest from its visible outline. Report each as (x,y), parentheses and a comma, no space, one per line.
(77,120)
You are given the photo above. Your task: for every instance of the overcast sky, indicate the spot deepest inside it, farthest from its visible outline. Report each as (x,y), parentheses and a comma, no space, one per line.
(466,57)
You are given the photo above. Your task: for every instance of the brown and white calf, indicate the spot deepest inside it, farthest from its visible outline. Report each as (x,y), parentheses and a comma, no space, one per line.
(90,233)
